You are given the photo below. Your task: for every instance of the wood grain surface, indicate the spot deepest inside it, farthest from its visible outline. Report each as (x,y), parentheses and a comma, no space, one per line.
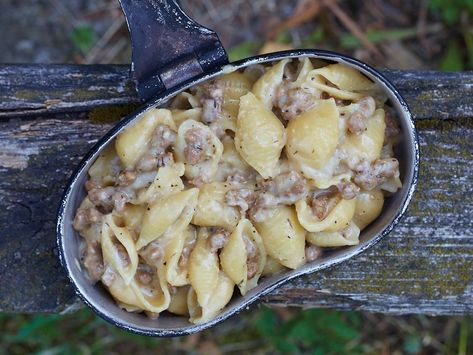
(32,90)
(51,115)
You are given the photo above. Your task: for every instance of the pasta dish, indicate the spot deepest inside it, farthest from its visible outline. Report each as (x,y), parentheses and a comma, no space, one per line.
(248,174)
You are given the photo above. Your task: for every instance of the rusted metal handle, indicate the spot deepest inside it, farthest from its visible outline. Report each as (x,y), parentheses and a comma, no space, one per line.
(168,47)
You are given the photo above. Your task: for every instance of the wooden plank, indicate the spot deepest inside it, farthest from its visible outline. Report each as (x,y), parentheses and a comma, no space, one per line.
(424,266)
(29,90)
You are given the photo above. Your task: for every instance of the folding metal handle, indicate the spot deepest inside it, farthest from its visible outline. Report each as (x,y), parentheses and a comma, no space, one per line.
(168,47)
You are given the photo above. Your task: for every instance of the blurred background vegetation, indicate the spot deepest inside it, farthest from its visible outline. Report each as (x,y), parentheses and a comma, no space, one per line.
(262,330)
(424,34)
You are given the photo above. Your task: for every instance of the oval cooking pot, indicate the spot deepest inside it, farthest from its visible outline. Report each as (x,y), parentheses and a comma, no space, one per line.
(186,54)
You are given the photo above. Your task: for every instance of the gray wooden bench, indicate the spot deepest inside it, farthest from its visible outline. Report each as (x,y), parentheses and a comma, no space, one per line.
(51,115)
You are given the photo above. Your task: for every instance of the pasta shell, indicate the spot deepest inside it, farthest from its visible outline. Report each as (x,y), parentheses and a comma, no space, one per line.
(206,169)
(112,255)
(369,205)
(212,210)
(92,233)
(174,244)
(154,297)
(133,216)
(179,116)
(178,303)
(369,144)
(234,256)
(265,87)
(392,184)
(203,268)
(338,218)
(346,236)
(129,308)
(235,85)
(168,214)
(345,77)
(185,100)
(121,292)
(305,67)
(166,182)
(284,237)
(334,92)
(231,161)
(260,136)
(106,167)
(313,138)
(272,266)
(134,141)
(221,295)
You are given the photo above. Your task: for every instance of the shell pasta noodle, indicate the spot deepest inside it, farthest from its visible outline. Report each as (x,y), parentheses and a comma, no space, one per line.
(252,173)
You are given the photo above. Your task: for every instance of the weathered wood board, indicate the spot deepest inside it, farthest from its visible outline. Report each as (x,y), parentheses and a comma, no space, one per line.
(33,90)
(423,266)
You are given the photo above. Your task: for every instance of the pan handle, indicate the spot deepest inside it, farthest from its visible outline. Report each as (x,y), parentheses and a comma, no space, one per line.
(168,47)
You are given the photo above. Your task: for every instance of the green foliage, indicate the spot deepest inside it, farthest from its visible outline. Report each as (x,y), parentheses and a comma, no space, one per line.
(412,344)
(350,41)
(451,9)
(463,339)
(83,37)
(453,58)
(459,53)
(468,37)
(78,333)
(283,37)
(317,36)
(317,331)
(243,50)
(291,331)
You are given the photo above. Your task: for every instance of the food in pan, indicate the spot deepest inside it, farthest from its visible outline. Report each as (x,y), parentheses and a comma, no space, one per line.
(243,176)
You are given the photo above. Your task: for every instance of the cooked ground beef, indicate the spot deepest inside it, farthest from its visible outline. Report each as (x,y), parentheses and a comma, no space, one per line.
(122,253)
(286,188)
(312,253)
(108,276)
(144,274)
(322,202)
(292,101)
(348,189)
(85,217)
(356,121)
(157,154)
(92,184)
(252,257)
(93,260)
(212,101)
(144,277)
(198,146)
(218,239)
(186,251)
(152,253)
(126,177)
(392,127)
(121,197)
(368,176)
(242,198)
(102,198)
(238,178)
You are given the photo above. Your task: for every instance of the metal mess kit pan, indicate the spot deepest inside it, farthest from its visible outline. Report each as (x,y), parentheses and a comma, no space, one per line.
(172,53)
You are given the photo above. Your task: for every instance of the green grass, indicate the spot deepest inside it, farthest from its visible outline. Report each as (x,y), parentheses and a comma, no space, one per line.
(262,330)
(451,10)
(83,38)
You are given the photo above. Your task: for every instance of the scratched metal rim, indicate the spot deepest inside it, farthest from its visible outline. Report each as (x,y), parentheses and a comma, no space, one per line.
(74,184)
